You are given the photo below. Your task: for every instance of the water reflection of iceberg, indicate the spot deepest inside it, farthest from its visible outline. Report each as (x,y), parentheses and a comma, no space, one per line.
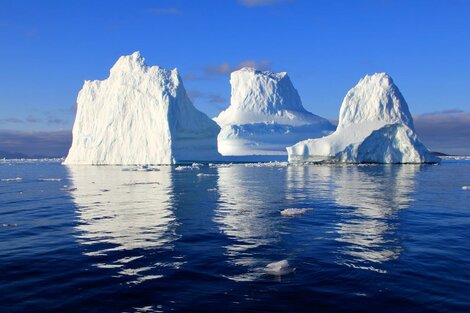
(246,215)
(370,198)
(124,210)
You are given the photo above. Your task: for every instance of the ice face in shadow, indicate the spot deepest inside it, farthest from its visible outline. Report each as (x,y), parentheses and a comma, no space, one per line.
(370,199)
(122,210)
(247,218)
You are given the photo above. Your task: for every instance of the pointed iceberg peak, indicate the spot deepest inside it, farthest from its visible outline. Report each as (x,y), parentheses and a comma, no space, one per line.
(127,63)
(375,99)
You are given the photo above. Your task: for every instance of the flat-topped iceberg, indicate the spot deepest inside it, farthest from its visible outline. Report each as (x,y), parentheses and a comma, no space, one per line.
(140,115)
(375,126)
(265,115)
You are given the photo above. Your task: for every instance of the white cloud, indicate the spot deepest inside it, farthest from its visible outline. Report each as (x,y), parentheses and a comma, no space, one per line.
(259,3)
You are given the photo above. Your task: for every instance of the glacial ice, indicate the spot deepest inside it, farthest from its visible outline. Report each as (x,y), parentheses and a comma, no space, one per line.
(375,126)
(291,212)
(278,268)
(11,179)
(140,115)
(265,115)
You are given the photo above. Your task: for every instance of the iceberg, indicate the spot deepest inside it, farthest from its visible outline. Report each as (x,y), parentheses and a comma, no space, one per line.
(265,115)
(279,268)
(140,115)
(375,126)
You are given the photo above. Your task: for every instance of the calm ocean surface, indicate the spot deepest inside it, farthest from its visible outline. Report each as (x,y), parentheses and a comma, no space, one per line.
(121,239)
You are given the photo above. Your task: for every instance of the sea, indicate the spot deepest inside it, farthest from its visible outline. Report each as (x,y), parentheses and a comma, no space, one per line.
(244,237)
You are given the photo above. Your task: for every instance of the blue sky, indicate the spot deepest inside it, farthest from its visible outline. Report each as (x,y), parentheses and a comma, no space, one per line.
(50,47)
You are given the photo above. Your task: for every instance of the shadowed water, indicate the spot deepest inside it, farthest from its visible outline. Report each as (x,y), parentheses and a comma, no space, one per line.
(200,238)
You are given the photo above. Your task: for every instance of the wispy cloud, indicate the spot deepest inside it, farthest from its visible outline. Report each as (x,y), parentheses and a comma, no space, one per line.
(165,11)
(445,131)
(51,119)
(226,68)
(260,3)
(52,143)
(56,120)
(223,69)
(11,120)
(216,100)
(32,119)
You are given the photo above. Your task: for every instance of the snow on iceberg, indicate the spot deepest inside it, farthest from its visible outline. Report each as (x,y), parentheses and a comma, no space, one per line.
(375,126)
(139,115)
(265,115)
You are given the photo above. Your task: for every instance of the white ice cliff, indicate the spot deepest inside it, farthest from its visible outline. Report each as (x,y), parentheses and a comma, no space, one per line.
(139,115)
(265,115)
(375,126)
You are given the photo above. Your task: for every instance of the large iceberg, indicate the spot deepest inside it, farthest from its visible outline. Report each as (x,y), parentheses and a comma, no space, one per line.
(140,115)
(375,126)
(265,115)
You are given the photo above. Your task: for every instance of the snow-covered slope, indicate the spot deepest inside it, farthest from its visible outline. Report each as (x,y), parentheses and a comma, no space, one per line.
(375,126)
(139,115)
(265,115)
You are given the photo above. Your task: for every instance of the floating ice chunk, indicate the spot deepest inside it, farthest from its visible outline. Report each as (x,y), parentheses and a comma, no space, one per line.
(295,212)
(142,183)
(219,165)
(182,168)
(278,268)
(12,179)
(9,225)
(50,179)
(267,164)
(141,168)
(465,187)
(205,175)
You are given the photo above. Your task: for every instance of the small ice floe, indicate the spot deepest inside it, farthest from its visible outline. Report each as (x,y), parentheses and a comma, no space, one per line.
(205,175)
(278,268)
(67,188)
(12,179)
(194,166)
(219,165)
(50,179)
(142,183)
(141,168)
(9,225)
(465,187)
(267,164)
(295,212)
(212,189)
(183,168)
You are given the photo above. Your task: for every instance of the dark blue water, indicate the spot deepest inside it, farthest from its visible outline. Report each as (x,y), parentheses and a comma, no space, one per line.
(110,239)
